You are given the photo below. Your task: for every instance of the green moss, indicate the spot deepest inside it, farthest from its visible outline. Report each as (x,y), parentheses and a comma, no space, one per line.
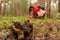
(5,21)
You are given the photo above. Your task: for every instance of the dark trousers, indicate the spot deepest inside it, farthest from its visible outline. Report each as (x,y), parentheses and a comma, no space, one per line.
(35,15)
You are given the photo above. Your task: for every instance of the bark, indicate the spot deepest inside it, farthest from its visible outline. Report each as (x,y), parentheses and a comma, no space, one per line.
(59,6)
(3,9)
(41,2)
(0,8)
(48,8)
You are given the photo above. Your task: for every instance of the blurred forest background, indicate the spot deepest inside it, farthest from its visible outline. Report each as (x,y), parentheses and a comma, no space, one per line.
(21,7)
(18,10)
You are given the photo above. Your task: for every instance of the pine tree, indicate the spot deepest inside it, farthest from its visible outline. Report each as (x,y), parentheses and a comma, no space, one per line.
(41,2)
(48,8)
(59,6)
(0,7)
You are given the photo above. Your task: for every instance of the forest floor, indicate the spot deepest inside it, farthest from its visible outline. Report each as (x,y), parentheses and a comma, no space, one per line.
(47,31)
(43,29)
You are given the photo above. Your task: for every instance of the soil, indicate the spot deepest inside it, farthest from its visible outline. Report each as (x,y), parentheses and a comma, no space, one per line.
(41,31)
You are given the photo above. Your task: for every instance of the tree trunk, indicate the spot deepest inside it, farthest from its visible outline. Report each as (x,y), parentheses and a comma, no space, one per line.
(18,8)
(3,8)
(41,2)
(0,8)
(48,8)
(59,6)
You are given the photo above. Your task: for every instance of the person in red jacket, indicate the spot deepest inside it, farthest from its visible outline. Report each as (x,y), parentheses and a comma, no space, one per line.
(34,10)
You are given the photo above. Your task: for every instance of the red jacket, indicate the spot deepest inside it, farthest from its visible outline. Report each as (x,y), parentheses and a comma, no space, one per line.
(35,10)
